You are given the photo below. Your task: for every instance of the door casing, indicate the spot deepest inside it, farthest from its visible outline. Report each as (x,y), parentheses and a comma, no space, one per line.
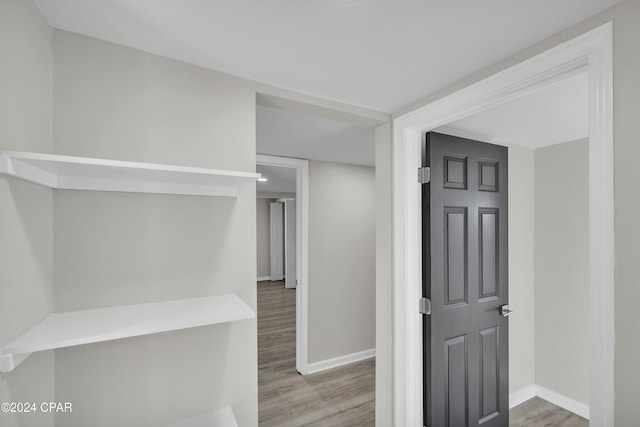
(302,253)
(276,242)
(591,51)
(290,250)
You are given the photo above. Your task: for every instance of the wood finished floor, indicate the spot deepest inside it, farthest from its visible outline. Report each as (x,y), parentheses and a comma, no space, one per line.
(341,397)
(540,413)
(338,397)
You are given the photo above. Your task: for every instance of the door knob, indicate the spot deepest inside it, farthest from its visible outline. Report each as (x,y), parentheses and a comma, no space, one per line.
(504,310)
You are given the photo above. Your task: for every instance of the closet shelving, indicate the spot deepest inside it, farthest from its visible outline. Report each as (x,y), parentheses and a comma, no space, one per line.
(102,324)
(60,330)
(220,418)
(82,173)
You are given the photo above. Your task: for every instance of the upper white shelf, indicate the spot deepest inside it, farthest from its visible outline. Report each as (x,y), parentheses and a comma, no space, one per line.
(103,324)
(82,173)
(220,418)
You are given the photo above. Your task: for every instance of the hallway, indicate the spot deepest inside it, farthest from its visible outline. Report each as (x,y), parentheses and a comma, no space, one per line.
(338,397)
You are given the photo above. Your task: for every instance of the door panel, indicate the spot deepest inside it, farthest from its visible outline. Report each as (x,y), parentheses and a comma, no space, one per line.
(489,253)
(465,276)
(455,252)
(489,368)
(455,386)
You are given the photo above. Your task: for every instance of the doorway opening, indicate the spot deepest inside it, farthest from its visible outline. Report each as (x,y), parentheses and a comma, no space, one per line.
(282,169)
(276,225)
(591,51)
(335,220)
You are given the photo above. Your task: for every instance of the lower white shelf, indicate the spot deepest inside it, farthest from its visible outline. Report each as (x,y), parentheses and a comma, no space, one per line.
(103,324)
(220,418)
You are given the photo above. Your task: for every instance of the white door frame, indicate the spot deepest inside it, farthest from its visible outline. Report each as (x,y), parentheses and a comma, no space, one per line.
(290,240)
(302,249)
(276,241)
(591,51)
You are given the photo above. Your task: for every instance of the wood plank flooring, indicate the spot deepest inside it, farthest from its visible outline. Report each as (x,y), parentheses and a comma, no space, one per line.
(338,397)
(341,397)
(540,413)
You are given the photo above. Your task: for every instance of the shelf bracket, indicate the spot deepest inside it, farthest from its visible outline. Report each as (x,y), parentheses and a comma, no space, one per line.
(26,172)
(8,362)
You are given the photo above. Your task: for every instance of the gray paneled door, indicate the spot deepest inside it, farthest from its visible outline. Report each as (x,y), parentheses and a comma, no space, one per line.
(465,272)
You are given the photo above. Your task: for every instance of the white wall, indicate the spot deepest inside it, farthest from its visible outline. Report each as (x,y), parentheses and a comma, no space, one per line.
(384,279)
(115,248)
(124,248)
(341,260)
(26,230)
(263,237)
(521,269)
(562,269)
(626,108)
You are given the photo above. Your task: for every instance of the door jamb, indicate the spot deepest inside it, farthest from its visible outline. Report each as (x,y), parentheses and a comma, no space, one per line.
(302,252)
(272,243)
(592,51)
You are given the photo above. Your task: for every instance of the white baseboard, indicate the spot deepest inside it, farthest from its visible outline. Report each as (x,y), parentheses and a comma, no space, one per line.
(550,396)
(563,401)
(522,395)
(323,365)
(264,278)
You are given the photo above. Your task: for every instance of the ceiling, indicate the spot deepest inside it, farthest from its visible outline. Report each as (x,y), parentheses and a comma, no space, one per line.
(380,54)
(293,134)
(279,179)
(552,115)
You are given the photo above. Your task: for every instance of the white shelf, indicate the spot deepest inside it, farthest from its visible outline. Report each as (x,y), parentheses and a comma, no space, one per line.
(220,418)
(89,326)
(82,173)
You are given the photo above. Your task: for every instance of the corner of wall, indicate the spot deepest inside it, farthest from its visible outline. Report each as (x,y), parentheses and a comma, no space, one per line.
(26,246)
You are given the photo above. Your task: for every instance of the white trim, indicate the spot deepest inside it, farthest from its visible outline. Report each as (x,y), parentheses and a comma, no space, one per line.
(283,99)
(276,240)
(335,362)
(593,51)
(601,230)
(302,257)
(264,279)
(529,392)
(563,401)
(407,229)
(518,397)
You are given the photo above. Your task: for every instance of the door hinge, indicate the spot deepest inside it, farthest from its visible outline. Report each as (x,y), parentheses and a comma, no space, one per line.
(424,175)
(425,306)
